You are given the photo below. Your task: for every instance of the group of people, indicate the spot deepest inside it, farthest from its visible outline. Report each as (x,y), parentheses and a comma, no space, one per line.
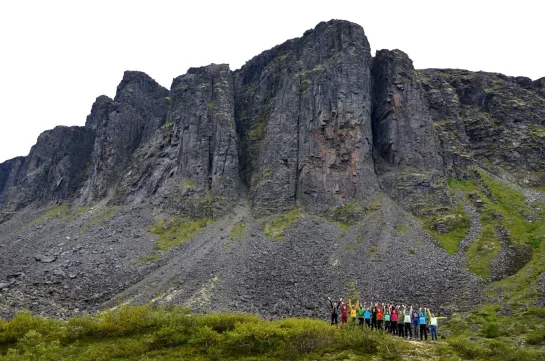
(399,320)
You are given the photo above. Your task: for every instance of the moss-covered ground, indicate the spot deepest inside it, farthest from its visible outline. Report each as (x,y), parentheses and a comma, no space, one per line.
(275,226)
(177,231)
(501,208)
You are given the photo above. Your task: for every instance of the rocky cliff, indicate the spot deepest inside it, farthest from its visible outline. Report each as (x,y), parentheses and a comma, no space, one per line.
(313,169)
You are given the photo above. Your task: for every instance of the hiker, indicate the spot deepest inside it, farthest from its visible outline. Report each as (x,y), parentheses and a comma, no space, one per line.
(373,315)
(380,315)
(344,312)
(415,324)
(353,310)
(367,316)
(407,320)
(393,318)
(422,323)
(334,311)
(360,313)
(387,319)
(400,323)
(433,325)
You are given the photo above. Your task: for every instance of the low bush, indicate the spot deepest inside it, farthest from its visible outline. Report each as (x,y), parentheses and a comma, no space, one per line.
(467,348)
(491,330)
(146,333)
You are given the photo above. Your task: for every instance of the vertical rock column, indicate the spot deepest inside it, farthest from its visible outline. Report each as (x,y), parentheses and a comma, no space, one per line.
(304,115)
(202,113)
(406,145)
(402,126)
(121,125)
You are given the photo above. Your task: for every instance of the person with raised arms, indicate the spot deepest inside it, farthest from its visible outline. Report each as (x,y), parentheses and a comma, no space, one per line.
(387,319)
(422,323)
(361,314)
(367,315)
(334,311)
(433,325)
(393,318)
(344,312)
(380,315)
(353,310)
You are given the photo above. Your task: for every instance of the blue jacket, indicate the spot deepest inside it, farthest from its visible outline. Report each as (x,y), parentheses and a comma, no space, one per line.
(422,317)
(367,314)
(415,319)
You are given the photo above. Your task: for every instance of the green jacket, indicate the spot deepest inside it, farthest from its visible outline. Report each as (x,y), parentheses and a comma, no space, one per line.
(360,312)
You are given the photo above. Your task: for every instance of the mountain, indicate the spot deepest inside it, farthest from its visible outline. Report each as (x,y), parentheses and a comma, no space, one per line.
(316,169)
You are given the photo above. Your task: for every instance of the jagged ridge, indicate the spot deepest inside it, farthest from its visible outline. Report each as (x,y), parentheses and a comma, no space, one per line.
(315,123)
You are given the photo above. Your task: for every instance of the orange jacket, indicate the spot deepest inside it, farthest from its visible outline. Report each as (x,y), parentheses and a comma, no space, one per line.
(380,313)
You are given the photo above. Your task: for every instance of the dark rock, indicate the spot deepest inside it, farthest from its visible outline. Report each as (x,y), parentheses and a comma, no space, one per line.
(45,259)
(303,111)
(52,171)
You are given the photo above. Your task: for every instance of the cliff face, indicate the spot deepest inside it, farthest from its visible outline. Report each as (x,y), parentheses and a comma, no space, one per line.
(121,125)
(317,125)
(53,170)
(304,113)
(313,123)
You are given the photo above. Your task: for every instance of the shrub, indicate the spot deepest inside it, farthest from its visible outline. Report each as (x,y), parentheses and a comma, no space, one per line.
(536,338)
(23,322)
(467,348)
(227,321)
(169,337)
(204,338)
(120,322)
(491,330)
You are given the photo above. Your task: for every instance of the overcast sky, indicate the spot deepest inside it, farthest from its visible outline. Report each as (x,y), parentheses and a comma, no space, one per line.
(56,57)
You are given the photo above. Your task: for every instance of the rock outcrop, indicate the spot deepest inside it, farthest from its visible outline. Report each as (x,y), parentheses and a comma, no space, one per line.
(346,157)
(304,114)
(121,125)
(53,171)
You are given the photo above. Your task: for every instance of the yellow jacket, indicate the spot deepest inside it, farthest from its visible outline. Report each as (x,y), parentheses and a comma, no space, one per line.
(353,309)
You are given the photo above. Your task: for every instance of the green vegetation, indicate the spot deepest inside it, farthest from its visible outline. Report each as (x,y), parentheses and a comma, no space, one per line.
(153,256)
(238,231)
(177,231)
(210,106)
(353,293)
(349,214)
(59,212)
(402,229)
(189,184)
(167,125)
(145,333)
(501,208)
(536,130)
(483,251)
(258,126)
(103,214)
(454,221)
(274,227)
